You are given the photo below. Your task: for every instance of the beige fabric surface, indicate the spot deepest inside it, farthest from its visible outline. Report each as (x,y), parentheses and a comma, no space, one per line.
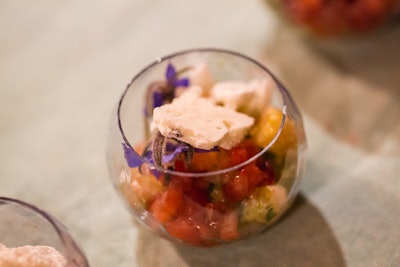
(63,65)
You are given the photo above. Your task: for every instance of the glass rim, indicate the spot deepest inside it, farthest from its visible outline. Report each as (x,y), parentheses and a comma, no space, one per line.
(57,226)
(283,92)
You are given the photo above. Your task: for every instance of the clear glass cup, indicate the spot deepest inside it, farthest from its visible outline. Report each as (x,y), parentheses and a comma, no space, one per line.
(206,197)
(352,36)
(22,224)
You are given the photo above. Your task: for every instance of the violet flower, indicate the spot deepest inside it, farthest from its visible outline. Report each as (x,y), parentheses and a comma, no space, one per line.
(158,98)
(133,159)
(172,149)
(161,92)
(172,80)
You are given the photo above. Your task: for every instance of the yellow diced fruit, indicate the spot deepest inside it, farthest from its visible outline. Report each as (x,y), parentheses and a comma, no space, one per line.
(267,127)
(265,203)
(145,186)
(257,206)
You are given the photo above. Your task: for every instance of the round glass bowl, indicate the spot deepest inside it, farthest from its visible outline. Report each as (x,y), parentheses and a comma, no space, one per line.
(338,18)
(31,237)
(206,147)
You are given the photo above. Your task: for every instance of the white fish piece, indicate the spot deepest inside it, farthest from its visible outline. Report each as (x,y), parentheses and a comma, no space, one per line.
(199,76)
(250,97)
(200,123)
(194,91)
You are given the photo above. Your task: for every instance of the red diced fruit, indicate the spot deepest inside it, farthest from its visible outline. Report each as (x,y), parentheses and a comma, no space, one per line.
(236,189)
(180,165)
(182,229)
(242,152)
(229,227)
(199,195)
(167,205)
(244,184)
(209,161)
(203,226)
(203,210)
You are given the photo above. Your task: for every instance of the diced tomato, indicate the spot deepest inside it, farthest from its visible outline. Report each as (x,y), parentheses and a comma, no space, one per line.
(167,205)
(237,188)
(203,220)
(238,155)
(267,168)
(183,182)
(202,183)
(182,229)
(229,226)
(180,165)
(242,152)
(202,211)
(218,206)
(194,188)
(256,177)
(198,195)
(193,225)
(240,185)
(245,182)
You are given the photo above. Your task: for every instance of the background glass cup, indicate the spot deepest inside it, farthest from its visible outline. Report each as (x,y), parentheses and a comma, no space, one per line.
(330,19)
(149,190)
(22,224)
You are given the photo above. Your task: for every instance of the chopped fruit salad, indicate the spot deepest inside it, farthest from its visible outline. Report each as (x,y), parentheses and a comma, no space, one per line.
(219,160)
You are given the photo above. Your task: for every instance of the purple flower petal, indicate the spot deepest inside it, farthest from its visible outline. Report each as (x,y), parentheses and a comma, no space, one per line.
(182,82)
(175,149)
(148,156)
(170,73)
(158,98)
(173,145)
(133,159)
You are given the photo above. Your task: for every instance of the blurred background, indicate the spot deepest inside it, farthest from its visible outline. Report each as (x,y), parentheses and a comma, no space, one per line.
(64,64)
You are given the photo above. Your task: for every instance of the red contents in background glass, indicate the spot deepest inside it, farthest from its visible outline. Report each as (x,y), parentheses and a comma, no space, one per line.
(330,17)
